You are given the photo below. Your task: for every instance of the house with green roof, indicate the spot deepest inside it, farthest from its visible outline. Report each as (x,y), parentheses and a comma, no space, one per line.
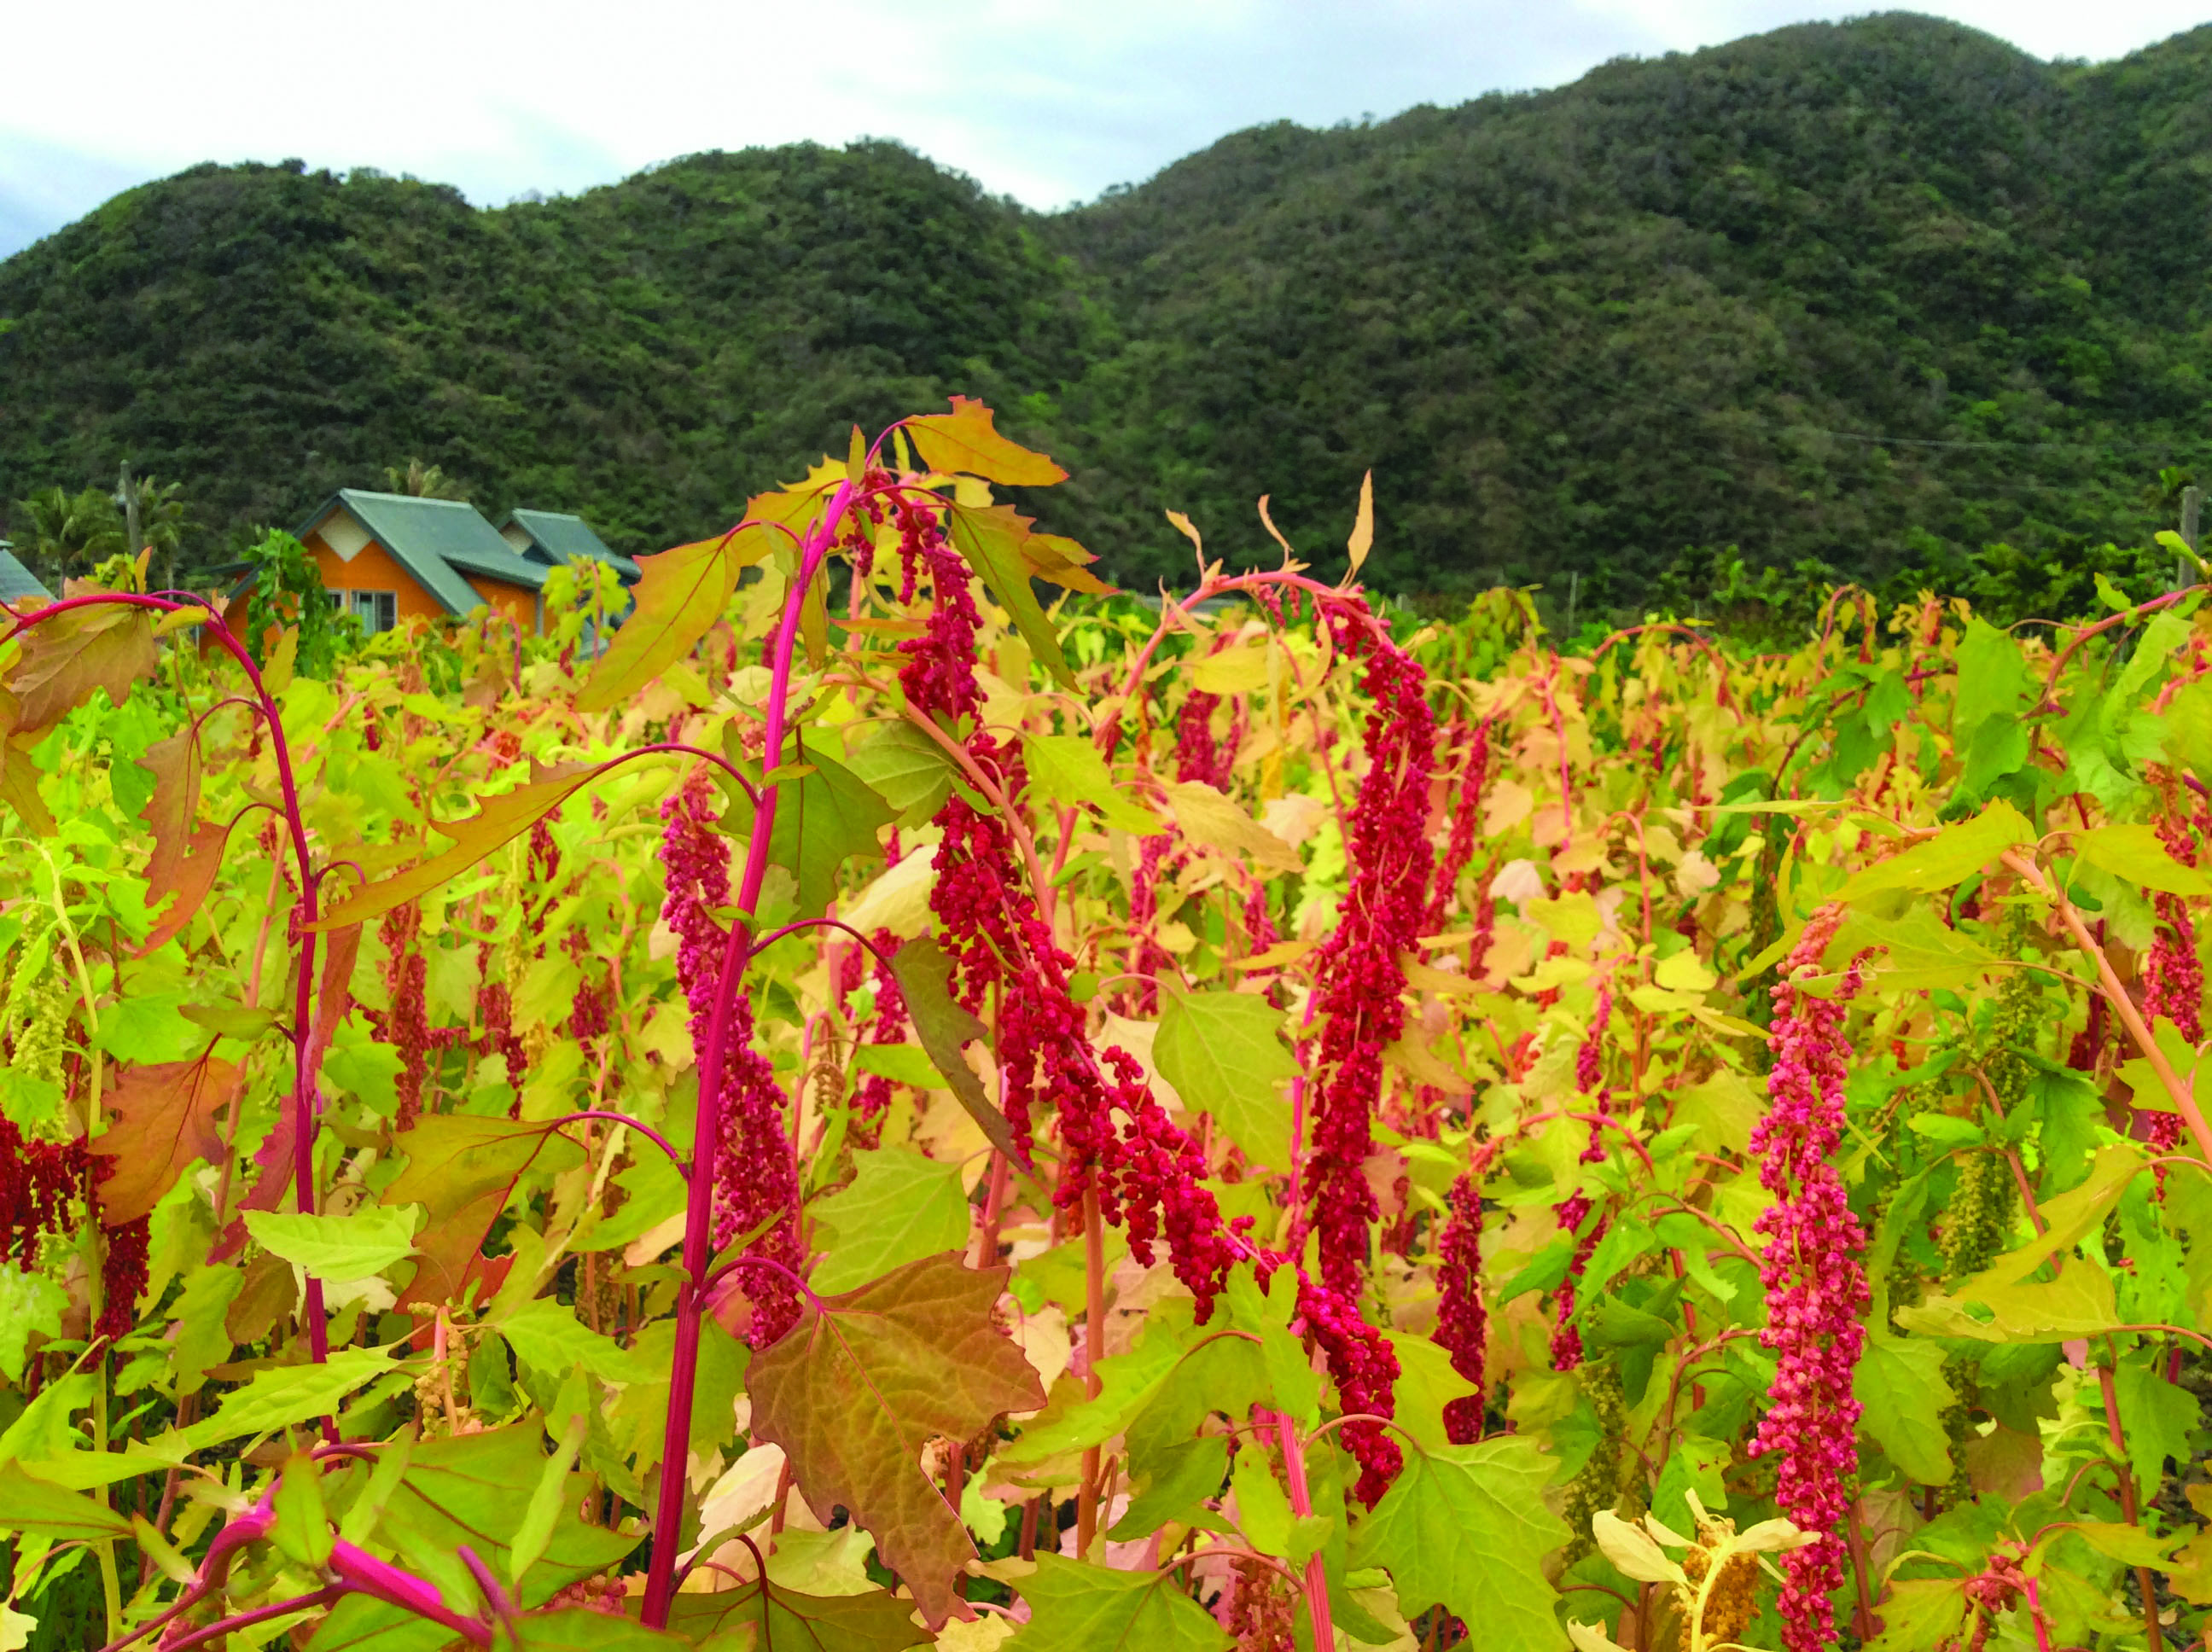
(17,583)
(386,557)
(555,537)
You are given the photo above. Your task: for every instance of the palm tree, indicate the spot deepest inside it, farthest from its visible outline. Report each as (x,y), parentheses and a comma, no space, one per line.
(423,481)
(69,530)
(159,516)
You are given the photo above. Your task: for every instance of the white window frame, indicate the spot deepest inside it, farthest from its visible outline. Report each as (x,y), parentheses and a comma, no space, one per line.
(377,610)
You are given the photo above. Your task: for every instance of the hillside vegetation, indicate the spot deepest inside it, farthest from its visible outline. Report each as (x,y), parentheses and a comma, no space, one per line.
(1611,330)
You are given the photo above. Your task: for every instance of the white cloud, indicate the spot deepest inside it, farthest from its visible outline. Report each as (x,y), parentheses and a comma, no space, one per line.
(1050,101)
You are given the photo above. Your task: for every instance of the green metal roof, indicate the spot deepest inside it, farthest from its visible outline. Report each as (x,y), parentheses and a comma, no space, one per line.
(561,536)
(16,581)
(436,540)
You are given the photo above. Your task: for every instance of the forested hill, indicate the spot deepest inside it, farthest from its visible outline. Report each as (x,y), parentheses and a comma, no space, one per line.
(1878,294)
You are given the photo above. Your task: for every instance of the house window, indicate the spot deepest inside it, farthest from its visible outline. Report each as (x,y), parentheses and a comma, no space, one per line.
(377,610)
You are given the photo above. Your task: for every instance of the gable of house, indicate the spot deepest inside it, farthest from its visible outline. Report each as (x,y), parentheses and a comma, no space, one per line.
(561,536)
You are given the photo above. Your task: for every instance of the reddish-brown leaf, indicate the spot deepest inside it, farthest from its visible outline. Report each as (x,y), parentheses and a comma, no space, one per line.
(164,1123)
(341,950)
(188,852)
(109,646)
(19,776)
(967,439)
(462,1170)
(855,1390)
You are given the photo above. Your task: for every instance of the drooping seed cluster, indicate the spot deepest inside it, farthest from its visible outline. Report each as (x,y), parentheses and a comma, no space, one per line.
(1146,1172)
(1815,1287)
(41,1181)
(2174,978)
(756,1176)
(1359,1001)
(1198,756)
(872,1100)
(1258,1610)
(1462,1321)
(406,1024)
(1148,958)
(1467,813)
(38,1180)
(1574,1212)
(123,1274)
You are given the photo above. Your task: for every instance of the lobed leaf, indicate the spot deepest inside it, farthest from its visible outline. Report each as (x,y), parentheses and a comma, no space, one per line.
(898,1208)
(966,440)
(1223,1054)
(854,1390)
(164,1123)
(1467,1528)
(680,594)
(1075,1606)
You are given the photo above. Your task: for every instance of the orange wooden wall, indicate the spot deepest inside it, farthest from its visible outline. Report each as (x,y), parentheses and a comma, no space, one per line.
(517,603)
(375,568)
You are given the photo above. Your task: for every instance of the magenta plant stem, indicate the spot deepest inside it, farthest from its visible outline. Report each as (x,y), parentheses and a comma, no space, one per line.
(1317,1584)
(699,1210)
(360,1572)
(640,1127)
(303,1078)
(223,1627)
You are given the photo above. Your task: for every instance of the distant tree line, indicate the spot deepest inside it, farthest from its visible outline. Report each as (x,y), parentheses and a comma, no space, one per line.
(1886,300)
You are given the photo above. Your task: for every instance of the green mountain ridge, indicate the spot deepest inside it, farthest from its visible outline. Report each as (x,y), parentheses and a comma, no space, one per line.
(1877,294)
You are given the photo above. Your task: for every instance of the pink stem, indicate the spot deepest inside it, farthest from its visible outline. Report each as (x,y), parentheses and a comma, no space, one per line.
(1294,1471)
(639,1126)
(303,1078)
(698,1220)
(2035,1617)
(224,1626)
(362,1573)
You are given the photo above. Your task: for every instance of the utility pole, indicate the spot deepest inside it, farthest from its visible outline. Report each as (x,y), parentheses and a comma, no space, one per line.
(127,497)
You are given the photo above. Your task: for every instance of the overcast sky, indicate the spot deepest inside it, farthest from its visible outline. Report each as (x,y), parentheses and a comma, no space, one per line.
(1048,101)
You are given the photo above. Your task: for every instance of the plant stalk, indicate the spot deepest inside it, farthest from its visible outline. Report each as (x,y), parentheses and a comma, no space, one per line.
(1317,1584)
(1094,1349)
(699,1209)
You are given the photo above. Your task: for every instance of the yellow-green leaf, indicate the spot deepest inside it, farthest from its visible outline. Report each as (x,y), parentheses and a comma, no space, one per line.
(1900,1389)
(1068,770)
(2077,1303)
(966,440)
(994,541)
(1223,1054)
(1952,855)
(898,1208)
(1075,1606)
(2134,853)
(1467,1528)
(679,594)
(498,821)
(31,1506)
